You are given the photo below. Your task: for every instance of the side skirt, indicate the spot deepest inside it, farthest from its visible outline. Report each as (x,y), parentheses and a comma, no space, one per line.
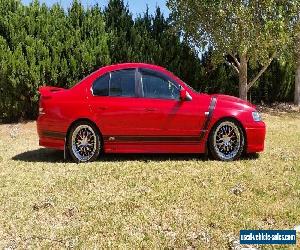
(136,147)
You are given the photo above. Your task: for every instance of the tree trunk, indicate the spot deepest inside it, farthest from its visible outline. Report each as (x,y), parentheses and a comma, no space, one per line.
(297,84)
(243,77)
(297,78)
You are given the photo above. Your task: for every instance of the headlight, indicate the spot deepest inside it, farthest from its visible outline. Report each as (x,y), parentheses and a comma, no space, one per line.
(256,116)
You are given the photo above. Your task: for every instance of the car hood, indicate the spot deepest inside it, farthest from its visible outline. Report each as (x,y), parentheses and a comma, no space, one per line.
(231,101)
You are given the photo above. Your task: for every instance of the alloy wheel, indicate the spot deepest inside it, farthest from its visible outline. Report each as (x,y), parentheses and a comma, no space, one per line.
(84,143)
(227,140)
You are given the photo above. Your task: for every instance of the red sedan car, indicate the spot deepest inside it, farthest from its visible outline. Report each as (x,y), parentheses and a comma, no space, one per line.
(142,108)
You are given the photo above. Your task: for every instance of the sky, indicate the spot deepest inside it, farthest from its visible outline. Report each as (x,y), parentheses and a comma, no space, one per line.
(135,6)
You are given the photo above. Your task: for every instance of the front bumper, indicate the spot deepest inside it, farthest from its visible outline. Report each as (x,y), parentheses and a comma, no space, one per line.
(256,134)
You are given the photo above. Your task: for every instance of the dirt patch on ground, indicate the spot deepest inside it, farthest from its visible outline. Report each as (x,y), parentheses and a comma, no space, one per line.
(279,108)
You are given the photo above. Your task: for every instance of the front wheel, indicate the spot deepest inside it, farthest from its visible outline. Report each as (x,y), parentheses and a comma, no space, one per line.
(84,142)
(227,140)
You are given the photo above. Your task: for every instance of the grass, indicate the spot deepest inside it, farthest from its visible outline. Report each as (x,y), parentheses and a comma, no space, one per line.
(145,201)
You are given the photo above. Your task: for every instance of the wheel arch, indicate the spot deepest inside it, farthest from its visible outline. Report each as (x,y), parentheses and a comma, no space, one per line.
(70,127)
(233,118)
(82,120)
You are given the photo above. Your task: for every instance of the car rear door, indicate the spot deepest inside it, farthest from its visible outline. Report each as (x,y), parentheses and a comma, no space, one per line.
(114,103)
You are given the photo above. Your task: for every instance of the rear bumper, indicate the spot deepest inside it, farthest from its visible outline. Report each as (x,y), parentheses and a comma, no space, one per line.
(256,134)
(52,143)
(49,134)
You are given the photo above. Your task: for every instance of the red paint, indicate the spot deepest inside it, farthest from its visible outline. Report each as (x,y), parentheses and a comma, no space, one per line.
(136,117)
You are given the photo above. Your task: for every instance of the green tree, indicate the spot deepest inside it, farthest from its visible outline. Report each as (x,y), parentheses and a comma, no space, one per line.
(119,26)
(46,46)
(250,32)
(171,52)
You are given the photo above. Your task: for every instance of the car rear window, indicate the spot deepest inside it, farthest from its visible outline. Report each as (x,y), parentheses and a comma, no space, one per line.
(122,83)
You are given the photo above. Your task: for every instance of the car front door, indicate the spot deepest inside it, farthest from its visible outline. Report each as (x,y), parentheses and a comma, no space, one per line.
(165,115)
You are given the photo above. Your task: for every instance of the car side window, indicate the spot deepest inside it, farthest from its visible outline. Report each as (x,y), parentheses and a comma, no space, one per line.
(101,86)
(155,86)
(122,83)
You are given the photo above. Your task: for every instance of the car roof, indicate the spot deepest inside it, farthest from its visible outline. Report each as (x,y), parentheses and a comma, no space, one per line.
(131,65)
(120,66)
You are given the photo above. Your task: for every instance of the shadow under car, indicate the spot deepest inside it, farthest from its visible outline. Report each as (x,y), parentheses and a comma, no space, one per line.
(57,156)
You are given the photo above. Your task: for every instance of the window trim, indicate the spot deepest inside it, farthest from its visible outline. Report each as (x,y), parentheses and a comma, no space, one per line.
(158,74)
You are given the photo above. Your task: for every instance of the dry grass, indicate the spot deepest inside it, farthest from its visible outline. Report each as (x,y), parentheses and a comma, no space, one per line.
(134,201)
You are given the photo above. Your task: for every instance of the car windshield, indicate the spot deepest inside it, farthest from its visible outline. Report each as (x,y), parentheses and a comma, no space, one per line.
(191,88)
(179,80)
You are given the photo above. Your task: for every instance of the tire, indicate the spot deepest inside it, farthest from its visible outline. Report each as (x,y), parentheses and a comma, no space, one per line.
(84,142)
(227,140)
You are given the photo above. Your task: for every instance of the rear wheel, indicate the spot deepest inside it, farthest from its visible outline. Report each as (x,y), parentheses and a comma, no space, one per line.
(84,142)
(227,140)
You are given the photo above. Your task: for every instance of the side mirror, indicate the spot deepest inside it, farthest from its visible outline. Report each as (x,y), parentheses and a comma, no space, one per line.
(184,95)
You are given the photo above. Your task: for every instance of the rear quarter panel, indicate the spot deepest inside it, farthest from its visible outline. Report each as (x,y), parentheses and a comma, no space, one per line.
(61,109)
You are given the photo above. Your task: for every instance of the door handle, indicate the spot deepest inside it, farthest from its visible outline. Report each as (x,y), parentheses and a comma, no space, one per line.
(150,109)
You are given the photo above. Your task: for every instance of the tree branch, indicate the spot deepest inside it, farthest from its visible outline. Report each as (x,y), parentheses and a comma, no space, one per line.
(235,67)
(235,60)
(261,71)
